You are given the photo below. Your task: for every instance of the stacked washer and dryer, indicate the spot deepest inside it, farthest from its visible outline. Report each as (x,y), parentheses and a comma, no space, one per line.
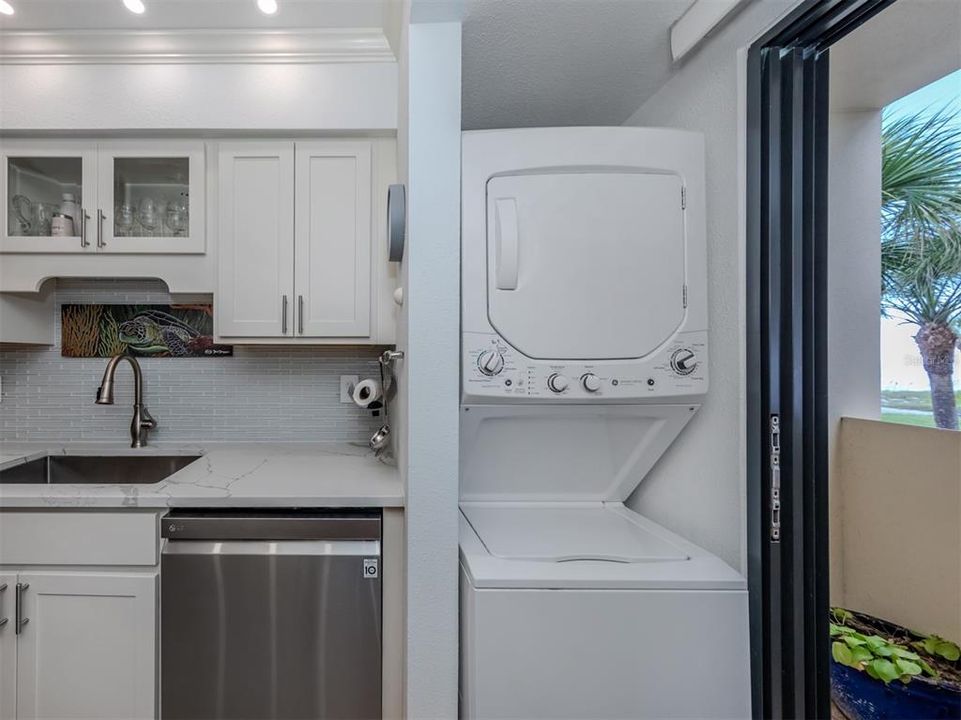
(584,355)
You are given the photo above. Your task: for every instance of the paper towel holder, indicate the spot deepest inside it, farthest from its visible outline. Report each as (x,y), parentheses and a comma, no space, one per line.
(396,222)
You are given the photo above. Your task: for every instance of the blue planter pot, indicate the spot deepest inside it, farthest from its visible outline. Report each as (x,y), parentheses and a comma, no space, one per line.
(861,697)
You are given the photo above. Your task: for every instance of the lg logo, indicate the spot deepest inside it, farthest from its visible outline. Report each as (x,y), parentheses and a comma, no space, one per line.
(370,568)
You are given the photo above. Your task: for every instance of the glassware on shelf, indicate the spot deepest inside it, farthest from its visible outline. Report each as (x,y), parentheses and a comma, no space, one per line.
(43,213)
(124,218)
(23,215)
(149,215)
(176,217)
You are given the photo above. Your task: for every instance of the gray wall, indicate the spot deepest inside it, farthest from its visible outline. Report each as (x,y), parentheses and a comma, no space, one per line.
(261,394)
(697,488)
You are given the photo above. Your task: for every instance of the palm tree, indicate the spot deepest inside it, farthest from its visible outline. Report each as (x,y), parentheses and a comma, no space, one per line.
(921,242)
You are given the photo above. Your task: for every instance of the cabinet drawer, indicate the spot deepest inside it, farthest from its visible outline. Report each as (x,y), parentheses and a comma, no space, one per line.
(78,538)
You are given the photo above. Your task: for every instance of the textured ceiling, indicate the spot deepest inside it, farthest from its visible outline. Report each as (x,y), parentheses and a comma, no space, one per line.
(563,62)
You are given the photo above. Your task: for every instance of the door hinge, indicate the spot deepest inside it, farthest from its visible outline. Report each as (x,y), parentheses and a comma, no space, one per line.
(683,197)
(775,504)
(684,295)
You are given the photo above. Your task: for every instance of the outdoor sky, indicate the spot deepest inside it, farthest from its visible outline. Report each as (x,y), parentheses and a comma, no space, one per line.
(942,92)
(900,362)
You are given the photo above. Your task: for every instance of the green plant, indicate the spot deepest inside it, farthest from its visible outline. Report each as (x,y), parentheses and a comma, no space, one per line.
(921,241)
(880,658)
(934,645)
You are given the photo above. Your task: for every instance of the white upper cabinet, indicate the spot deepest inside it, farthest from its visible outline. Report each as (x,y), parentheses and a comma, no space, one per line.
(88,197)
(151,197)
(298,258)
(38,181)
(256,265)
(332,239)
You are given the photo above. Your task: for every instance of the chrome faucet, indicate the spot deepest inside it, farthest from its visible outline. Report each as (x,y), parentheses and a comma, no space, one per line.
(142,421)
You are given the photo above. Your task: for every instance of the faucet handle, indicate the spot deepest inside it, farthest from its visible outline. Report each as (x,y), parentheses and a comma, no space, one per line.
(146,419)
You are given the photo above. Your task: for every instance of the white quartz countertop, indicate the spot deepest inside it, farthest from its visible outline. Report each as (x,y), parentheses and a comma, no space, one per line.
(227,475)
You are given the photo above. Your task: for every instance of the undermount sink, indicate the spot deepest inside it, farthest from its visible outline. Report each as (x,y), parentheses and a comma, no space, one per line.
(96,469)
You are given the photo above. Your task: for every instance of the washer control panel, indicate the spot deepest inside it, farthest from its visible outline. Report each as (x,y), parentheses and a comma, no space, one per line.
(494,369)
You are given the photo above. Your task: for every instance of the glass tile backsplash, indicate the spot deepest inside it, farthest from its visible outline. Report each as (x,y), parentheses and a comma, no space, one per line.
(265,394)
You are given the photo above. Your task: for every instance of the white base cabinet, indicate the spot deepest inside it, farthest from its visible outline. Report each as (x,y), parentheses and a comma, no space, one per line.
(87,649)
(8,646)
(78,640)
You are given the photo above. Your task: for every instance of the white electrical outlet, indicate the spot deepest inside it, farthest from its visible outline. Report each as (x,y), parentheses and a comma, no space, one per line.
(347,383)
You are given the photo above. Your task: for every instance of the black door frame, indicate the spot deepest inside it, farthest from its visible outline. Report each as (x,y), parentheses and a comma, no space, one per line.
(787,360)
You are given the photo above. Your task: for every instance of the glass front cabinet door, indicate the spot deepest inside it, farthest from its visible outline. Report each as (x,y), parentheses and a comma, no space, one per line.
(50,197)
(151,197)
(123,197)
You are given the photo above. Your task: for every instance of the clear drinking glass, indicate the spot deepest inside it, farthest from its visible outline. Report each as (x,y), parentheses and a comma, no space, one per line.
(149,215)
(176,217)
(124,218)
(44,216)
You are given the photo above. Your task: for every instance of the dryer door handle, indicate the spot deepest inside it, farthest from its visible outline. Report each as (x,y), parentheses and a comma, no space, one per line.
(507,243)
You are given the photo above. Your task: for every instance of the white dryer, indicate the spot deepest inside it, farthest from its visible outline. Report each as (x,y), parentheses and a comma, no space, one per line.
(584,355)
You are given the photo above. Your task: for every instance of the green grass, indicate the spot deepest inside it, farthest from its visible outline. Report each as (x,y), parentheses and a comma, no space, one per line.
(907,418)
(910,399)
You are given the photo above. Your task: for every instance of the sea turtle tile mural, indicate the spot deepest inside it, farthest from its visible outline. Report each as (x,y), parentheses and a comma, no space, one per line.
(143,330)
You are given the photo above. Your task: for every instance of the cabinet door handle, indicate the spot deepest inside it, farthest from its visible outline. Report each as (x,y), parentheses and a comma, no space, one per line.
(300,314)
(20,619)
(100,241)
(283,329)
(83,228)
(3,620)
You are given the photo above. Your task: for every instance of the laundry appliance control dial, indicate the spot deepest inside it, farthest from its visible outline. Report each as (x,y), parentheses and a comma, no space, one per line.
(490,362)
(683,361)
(591,382)
(557,383)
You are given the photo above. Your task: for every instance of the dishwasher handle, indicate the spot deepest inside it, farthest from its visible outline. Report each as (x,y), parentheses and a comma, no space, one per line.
(287,548)
(271,526)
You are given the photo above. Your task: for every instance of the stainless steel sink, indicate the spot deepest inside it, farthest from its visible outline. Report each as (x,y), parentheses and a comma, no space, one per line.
(96,469)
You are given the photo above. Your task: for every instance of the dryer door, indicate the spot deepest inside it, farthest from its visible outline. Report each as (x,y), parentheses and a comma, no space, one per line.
(585,265)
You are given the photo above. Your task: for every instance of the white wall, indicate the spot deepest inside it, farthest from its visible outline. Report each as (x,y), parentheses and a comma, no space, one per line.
(242,97)
(854,289)
(910,44)
(428,331)
(697,488)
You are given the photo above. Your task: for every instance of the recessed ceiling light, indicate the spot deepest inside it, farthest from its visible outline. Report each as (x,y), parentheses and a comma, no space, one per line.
(134,6)
(268,7)
(6,8)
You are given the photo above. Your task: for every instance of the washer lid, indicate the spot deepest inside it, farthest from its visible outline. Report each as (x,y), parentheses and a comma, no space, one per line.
(566,534)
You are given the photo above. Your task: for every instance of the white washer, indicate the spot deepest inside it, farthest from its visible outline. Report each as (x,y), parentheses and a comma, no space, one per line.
(584,355)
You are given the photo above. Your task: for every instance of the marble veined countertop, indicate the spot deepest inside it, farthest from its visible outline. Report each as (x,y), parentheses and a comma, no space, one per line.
(226,475)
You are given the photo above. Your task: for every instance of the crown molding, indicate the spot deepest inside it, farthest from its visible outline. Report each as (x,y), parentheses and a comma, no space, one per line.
(27,47)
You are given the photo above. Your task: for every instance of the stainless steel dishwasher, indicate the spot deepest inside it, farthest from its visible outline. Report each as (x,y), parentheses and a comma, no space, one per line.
(270,615)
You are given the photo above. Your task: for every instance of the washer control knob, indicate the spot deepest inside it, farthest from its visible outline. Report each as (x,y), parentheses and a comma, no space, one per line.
(591,382)
(490,362)
(557,383)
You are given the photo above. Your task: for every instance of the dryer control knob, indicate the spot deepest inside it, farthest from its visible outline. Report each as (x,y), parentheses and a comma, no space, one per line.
(591,382)
(557,383)
(490,362)
(683,361)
